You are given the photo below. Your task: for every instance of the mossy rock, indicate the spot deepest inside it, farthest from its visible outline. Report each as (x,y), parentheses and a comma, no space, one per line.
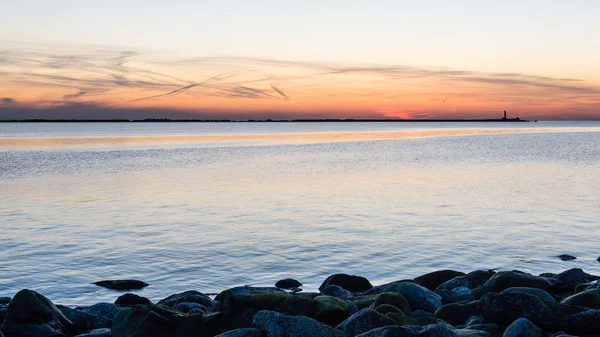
(401,319)
(331,310)
(386,308)
(239,308)
(457,313)
(587,299)
(364,301)
(394,299)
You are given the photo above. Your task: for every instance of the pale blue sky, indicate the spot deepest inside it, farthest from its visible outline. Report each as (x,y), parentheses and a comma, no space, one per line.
(558,38)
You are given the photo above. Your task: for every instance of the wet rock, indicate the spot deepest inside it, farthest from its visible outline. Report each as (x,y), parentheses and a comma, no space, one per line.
(543,295)
(511,279)
(418,297)
(3,311)
(288,283)
(401,319)
(107,310)
(336,291)
(471,333)
(472,280)
(188,307)
(386,308)
(522,327)
(394,299)
(365,320)
(190,296)
(586,286)
(586,323)
(239,307)
(274,324)
(588,299)
(245,332)
(506,308)
(105,332)
(473,320)
(161,321)
(5,300)
(31,314)
(132,299)
(331,310)
(458,294)
(566,257)
(433,330)
(421,314)
(122,284)
(491,328)
(83,321)
(569,279)
(433,280)
(349,282)
(457,313)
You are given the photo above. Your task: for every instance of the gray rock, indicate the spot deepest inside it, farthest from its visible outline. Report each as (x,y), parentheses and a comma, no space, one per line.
(336,291)
(191,296)
(122,284)
(569,279)
(187,307)
(394,299)
(510,279)
(245,332)
(522,327)
(418,297)
(85,322)
(588,299)
(31,314)
(471,333)
(433,330)
(288,283)
(351,283)
(108,310)
(458,294)
(363,321)
(274,324)
(587,322)
(542,294)
(132,299)
(97,333)
(472,280)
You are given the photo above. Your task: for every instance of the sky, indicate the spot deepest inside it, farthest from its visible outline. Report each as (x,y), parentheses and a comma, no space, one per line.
(299,59)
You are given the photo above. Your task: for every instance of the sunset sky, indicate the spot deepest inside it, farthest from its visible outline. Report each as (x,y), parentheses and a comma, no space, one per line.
(299,59)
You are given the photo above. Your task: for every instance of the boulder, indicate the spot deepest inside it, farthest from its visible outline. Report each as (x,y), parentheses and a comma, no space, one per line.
(245,332)
(458,294)
(506,308)
(457,313)
(188,307)
(365,320)
(434,330)
(472,280)
(31,314)
(274,324)
(122,284)
(288,283)
(190,296)
(586,323)
(83,321)
(522,327)
(331,310)
(569,279)
(418,297)
(108,310)
(349,282)
(386,308)
(132,299)
(510,279)
(566,257)
(401,319)
(588,299)
(433,280)
(394,299)
(160,321)
(104,332)
(542,294)
(471,333)
(239,307)
(336,291)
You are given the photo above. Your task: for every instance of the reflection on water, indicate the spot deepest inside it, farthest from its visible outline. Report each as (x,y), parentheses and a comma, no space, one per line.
(197,216)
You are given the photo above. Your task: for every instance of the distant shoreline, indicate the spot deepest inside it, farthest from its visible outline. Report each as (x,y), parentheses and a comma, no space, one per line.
(166,120)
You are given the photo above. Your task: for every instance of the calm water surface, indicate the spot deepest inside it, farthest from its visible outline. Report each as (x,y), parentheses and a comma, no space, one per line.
(211,215)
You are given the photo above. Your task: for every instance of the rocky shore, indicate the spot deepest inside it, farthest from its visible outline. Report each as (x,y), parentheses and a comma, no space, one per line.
(443,303)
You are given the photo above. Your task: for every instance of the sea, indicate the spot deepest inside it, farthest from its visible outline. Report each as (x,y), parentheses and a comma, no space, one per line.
(208,206)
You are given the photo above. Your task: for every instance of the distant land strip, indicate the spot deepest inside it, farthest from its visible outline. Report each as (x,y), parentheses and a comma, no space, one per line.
(168,120)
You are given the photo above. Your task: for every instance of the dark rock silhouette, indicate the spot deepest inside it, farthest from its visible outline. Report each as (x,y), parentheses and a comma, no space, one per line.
(132,299)
(567,257)
(349,282)
(288,283)
(122,284)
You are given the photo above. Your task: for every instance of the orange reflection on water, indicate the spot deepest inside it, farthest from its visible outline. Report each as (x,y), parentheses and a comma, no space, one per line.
(32,142)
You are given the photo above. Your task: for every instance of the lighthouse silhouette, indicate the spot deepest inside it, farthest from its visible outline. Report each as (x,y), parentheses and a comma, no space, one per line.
(504,115)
